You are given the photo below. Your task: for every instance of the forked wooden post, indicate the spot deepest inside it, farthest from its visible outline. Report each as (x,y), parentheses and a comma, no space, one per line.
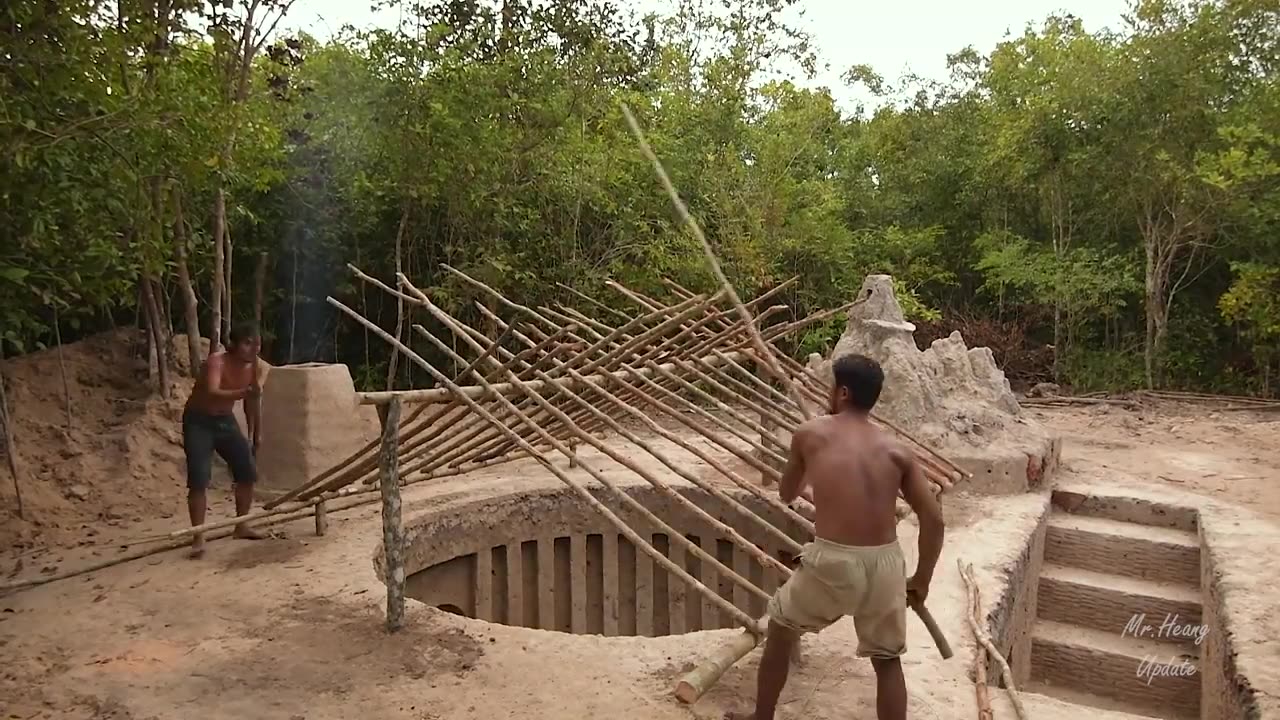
(392,530)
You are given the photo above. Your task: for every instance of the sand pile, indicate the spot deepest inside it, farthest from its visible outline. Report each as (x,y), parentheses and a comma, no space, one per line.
(120,461)
(950,397)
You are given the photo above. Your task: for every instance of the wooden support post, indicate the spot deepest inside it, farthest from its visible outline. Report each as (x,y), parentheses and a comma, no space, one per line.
(322,519)
(392,530)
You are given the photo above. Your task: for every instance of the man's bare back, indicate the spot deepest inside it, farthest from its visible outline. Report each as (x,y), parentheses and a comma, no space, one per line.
(854,472)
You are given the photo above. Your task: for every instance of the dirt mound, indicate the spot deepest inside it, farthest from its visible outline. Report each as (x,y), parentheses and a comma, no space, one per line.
(951,397)
(120,461)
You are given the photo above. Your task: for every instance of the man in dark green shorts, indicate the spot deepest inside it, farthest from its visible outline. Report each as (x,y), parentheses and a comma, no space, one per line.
(209,426)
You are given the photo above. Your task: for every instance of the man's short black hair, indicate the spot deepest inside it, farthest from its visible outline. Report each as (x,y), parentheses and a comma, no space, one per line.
(242,331)
(861,377)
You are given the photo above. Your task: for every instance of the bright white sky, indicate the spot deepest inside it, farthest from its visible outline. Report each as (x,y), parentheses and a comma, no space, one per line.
(893,37)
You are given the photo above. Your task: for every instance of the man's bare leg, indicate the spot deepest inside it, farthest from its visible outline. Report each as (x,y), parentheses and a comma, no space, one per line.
(891,689)
(195,508)
(244,500)
(775,663)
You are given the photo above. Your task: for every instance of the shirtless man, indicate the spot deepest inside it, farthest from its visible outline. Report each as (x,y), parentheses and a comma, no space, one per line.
(852,473)
(208,426)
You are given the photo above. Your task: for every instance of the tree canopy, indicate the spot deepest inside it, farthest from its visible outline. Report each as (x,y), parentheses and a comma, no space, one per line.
(1111,198)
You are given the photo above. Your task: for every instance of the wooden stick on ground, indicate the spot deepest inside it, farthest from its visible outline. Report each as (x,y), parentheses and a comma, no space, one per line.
(980,689)
(984,639)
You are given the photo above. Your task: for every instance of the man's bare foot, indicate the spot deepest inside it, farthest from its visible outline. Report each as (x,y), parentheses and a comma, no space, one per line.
(244,532)
(197,547)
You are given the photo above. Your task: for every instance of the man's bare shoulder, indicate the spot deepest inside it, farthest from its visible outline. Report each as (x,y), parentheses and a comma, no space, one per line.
(901,453)
(814,427)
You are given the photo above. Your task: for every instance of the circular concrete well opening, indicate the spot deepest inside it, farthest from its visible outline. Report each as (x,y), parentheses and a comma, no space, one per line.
(547,560)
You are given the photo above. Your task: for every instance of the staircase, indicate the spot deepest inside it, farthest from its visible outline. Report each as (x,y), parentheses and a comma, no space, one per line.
(1118,614)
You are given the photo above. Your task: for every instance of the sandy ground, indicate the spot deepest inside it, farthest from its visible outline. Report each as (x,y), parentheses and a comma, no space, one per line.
(291,627)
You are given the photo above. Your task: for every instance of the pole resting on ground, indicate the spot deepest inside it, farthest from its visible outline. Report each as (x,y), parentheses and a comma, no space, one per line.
(392,529)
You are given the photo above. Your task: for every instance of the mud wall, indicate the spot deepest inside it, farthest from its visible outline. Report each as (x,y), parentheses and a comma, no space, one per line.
(1225,693)
(1012,616)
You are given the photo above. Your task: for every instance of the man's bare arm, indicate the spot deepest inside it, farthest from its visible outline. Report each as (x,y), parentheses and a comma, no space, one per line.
(792,483)
(916,491)
(213,380)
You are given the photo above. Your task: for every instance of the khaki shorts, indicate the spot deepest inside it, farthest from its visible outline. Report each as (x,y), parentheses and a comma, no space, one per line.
(834,580)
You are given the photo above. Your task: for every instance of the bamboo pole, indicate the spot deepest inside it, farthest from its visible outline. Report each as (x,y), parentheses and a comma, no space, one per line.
(765,351)
(746,545)
(658,429)
(695,683)
(275,519)
(641,544)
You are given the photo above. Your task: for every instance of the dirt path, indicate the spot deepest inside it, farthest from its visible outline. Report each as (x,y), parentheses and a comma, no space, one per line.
(1233,456)
(291,628)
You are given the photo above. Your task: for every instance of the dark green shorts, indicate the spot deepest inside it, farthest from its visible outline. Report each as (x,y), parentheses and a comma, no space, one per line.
(202,436)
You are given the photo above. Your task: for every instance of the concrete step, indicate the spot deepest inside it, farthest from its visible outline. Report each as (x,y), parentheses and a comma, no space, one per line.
(1099,707)
(1139,673)
(1120,605)
(1126,509)
(1122,548)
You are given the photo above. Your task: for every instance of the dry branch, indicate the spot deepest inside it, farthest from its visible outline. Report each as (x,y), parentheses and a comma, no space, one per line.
(984,638)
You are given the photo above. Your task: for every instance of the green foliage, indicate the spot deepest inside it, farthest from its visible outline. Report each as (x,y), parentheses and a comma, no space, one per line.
(1077,182)
(1089,283)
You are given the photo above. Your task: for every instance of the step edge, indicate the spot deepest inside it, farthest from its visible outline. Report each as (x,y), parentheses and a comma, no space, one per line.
(1110,643)
(1119,528)
(1123,584)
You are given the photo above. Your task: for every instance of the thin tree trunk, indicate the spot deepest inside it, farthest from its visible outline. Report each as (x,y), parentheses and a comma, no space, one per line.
(1156,311)
(10,445)
(62,365)
(391,365)
(259,289)
(152,312)
(293,308)
(227,317)
(219,257)
(190,307)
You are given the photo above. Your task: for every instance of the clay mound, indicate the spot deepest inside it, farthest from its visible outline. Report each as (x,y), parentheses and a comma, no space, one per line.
(951,397)
(120,461)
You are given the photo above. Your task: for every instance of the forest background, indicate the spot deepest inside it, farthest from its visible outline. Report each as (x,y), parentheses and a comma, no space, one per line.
(1102,208)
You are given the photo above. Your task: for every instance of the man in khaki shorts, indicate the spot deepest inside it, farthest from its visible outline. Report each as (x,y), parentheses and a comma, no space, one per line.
(852,473)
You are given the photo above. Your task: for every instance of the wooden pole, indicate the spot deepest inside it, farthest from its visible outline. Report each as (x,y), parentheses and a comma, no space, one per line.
(767,354)
(699,680)
(392,530)
(641,544)
(746,545)
(322,519)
